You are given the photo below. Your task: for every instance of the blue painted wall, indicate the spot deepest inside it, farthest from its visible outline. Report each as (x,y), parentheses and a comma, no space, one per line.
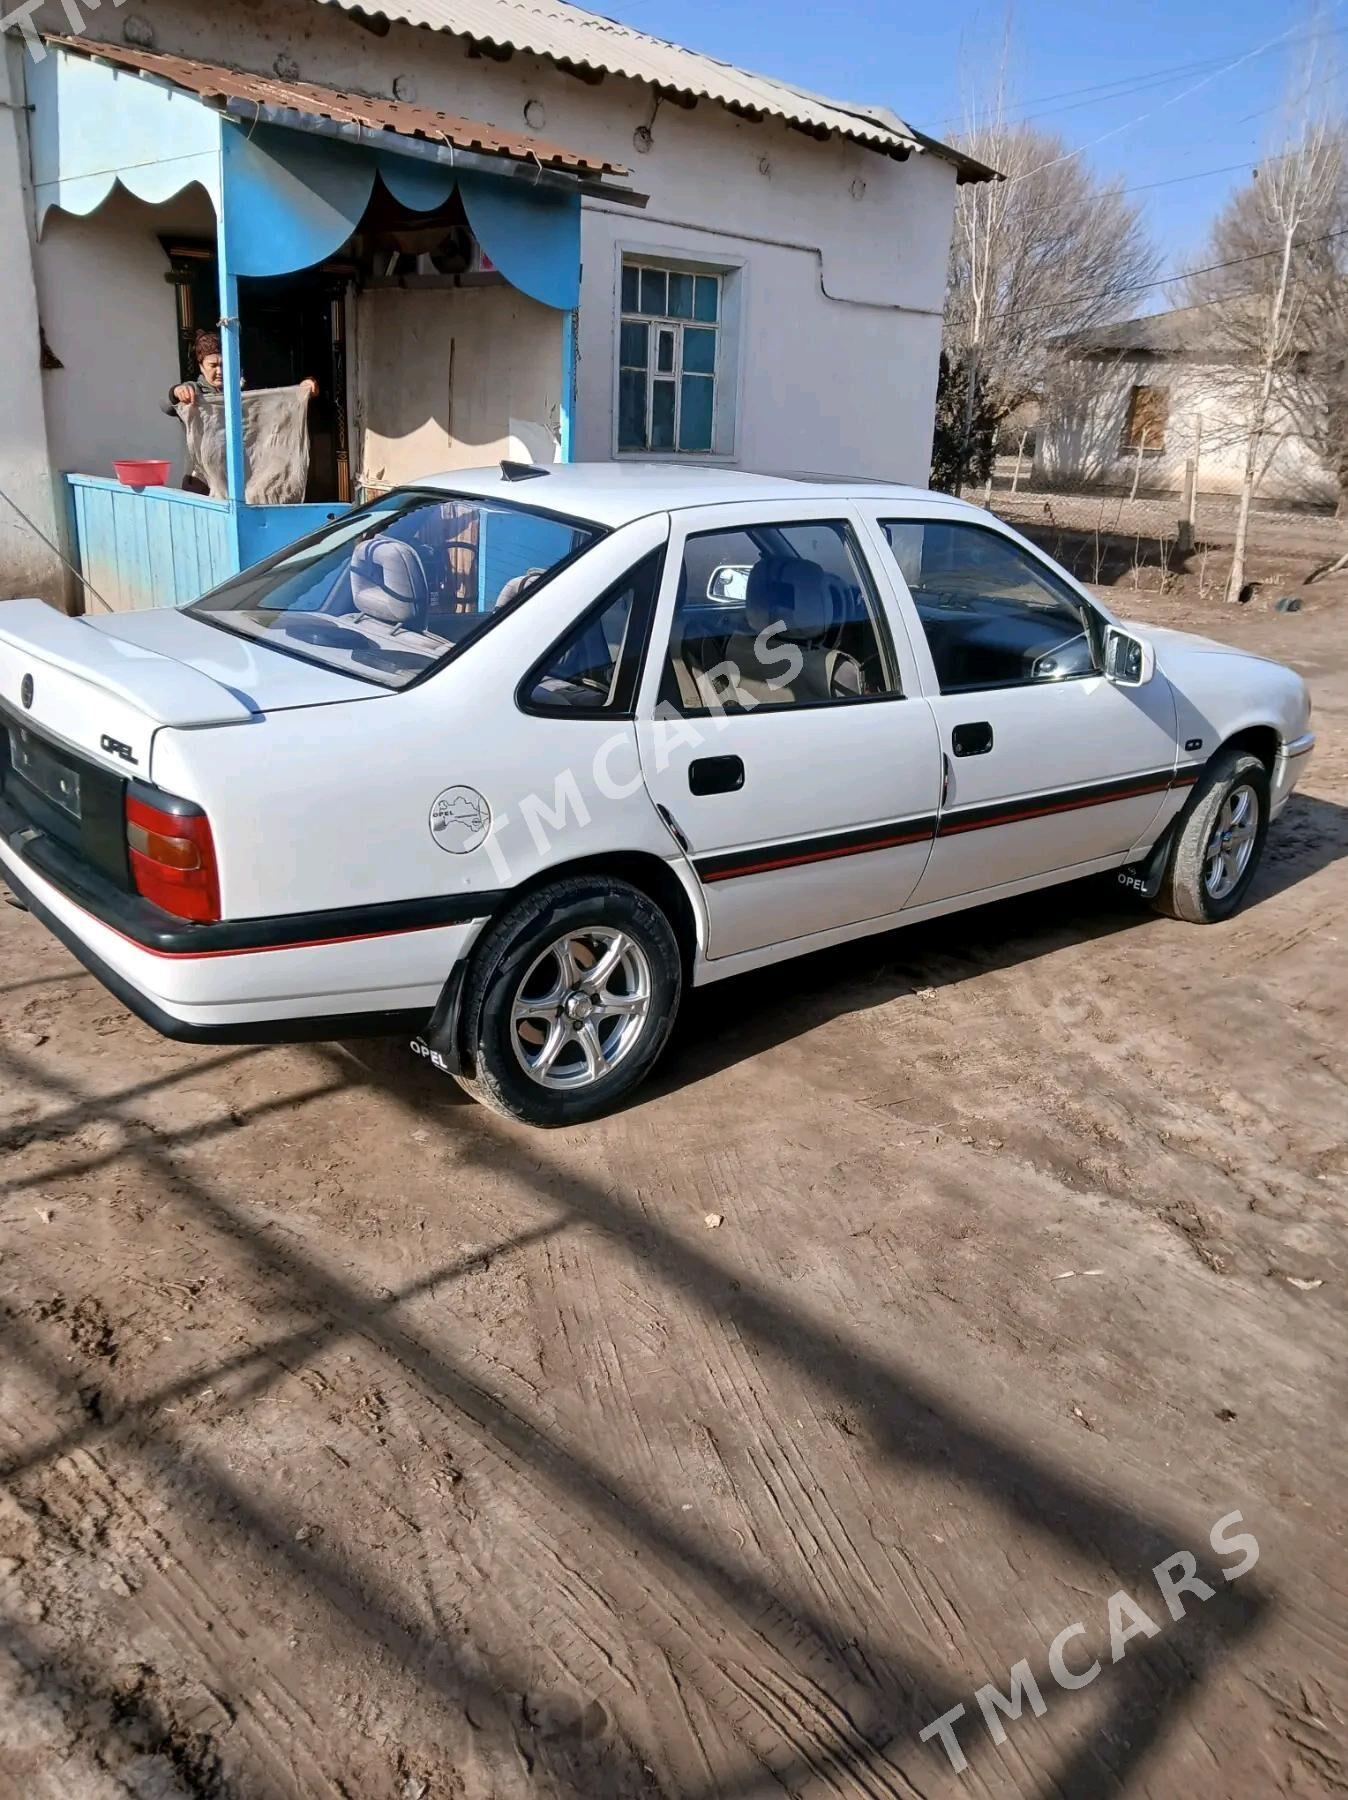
(512,543)
(263,530)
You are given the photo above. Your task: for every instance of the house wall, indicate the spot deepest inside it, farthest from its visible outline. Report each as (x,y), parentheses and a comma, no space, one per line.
(112,319)
(840,253)
(27,566)
(444,375)
(1086,411)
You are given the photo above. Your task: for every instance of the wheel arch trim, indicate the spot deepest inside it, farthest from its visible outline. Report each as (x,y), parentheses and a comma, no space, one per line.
(670,884)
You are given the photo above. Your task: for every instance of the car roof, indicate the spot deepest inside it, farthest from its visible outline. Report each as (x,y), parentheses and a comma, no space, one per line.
(613,494)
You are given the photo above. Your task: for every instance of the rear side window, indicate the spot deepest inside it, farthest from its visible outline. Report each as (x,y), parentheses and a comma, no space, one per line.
(596,667)
(993,615)
(775,615)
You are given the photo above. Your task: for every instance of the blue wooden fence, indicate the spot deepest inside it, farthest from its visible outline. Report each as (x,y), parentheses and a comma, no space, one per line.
(149,546)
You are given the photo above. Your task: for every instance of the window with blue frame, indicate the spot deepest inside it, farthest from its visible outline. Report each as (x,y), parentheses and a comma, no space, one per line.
(668,354)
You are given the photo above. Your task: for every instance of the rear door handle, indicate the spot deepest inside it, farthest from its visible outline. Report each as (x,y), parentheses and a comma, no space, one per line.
(972,740)
(716,775)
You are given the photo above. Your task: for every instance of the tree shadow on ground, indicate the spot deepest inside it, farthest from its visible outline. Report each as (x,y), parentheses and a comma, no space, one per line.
(769,1638)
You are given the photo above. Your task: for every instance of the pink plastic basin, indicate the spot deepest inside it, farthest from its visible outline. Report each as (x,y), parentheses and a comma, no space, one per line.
(142,474)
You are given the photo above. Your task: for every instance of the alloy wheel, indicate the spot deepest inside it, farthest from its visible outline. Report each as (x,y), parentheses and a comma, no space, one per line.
(1231,844)
(582,1007)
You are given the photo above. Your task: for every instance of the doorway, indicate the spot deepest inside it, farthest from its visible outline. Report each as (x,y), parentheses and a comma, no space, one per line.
(293,327)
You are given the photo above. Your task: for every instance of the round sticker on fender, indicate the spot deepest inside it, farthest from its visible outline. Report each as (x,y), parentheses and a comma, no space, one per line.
(460,820)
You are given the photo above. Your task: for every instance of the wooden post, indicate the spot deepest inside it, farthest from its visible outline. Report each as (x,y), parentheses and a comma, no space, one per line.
(1184,535)
(1020,453)
(235,460)
(567,412)
(1137,466)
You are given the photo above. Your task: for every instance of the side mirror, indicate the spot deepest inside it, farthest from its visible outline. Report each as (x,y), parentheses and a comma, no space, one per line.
(729,584)
(1129,661)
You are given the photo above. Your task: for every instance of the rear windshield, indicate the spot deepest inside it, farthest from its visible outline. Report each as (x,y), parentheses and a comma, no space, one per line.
(390,591)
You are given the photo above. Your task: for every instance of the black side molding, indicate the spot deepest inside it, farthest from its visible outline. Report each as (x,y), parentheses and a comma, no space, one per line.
(259,1031)
(153,929)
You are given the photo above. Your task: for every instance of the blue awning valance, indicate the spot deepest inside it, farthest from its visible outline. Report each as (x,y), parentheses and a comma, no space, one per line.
(293,199)
(290,185)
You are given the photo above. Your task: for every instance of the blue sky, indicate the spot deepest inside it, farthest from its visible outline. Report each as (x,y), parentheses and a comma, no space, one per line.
(922,60)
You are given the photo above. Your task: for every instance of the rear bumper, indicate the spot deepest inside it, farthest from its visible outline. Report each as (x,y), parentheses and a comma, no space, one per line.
(1291,764)
(382,980)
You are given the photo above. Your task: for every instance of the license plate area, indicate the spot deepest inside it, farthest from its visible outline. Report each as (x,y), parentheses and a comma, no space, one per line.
(53,778)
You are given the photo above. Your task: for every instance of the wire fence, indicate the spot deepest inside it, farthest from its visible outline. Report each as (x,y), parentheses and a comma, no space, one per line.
(1151,542)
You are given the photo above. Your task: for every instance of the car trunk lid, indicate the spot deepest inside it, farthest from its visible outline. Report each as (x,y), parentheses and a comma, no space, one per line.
(63,678)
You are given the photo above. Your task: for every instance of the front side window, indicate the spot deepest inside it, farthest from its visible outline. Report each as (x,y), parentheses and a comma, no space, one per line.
(392,590)
(993,615)
(775,615)
(596,666)
(668,354)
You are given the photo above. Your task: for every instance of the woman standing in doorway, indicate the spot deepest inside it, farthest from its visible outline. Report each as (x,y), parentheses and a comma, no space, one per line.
(209,358)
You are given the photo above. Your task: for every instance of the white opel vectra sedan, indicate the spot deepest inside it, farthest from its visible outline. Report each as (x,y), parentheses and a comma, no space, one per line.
(510,758)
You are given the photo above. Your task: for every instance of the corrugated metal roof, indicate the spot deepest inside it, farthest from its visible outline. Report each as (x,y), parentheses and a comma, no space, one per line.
(212,81)
(576,39)
(1188,332)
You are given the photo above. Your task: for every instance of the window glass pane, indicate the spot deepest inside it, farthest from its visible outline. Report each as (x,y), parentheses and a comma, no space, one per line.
(699,352)
(652,291)
(706,299)
(593,667)
(631,287)
(664,354)
(662,415)
(680,295)
(632,409)
(386,593)
(581,673)
(992,614)
(776,615)
(695,412)
(633,346)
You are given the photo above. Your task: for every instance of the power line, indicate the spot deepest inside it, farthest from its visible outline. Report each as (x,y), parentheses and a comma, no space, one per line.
(1174,100)
(1129,83)
(1137,287)
(1143,187)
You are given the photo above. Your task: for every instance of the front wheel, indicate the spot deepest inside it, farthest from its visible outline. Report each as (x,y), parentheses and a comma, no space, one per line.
(571,998)
(1218,841)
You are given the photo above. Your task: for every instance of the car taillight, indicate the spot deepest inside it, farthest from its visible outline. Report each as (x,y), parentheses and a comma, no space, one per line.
(173,858)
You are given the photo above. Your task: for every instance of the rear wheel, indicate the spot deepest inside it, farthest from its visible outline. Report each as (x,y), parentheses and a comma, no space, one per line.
(1218,842)
(570,1000)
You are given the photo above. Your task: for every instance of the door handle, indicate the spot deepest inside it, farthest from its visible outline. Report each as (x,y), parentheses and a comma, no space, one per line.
(972,740)
(716,775)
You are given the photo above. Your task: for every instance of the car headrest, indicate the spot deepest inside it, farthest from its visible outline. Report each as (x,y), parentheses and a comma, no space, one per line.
(388,582)
(789,592)
(519,584)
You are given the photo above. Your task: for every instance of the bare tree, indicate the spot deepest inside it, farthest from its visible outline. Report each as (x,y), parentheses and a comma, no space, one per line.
(1280,305)
(1048,250)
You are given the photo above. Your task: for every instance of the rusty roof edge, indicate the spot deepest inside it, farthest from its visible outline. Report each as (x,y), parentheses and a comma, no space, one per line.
(503,165)
(501,151)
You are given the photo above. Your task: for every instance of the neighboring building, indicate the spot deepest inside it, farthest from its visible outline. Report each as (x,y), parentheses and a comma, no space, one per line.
(1138,399)
(487,230)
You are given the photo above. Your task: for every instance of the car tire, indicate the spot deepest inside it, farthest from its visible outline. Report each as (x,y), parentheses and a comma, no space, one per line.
(1218,841)
(550,1038)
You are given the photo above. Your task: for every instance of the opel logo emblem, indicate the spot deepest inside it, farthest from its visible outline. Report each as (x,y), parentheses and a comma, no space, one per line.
(26,691)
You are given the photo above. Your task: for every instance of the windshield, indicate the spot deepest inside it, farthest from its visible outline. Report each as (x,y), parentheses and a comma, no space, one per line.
(390,591)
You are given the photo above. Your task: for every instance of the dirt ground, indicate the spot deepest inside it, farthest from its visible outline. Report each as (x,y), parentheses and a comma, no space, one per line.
(354,1443)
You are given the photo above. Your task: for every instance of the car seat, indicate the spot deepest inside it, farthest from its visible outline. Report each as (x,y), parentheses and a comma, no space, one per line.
(389,583)
(793,600)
